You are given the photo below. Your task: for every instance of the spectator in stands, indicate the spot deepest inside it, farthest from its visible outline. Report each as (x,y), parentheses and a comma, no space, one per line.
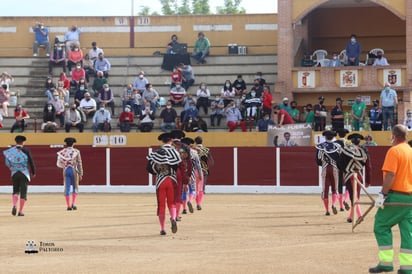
(4,99)
(41,38)
(150,95)
(353,51)
(59,107)
(168,117)
(73,119)
(203,94)
(239,85)
(380,60)
(88,105)
(369,142)
(147,118)
(234,118)
(285,105)
(320,115)
(198,125)
(101,119)
(77,74)
(6,79)
(176,77)
(407,122)
(127,97)
(177,94)
(72,38)
(140,82)
(375,117)
(358,113)
(201,48)
(65,80)
(294,111)
(263,123)
(50,88)
(190,113)
(388,103)
(337,115)
(307,60)
(126,119)
(257,88)
(20,115)
(334,62)
(80,92)
(102,64)
(283,117)
(188,76)
(172,43)
(227,93)
(106,97)
(188,99)
(98,83)
(94,52)
(75,56)
(88,67)
(267,101)
(1,121)
(287,142)
(262,81)
(63,95)
(251,105)
(137,102)
(49,119)
(57,58)
(308,115)
(217,110)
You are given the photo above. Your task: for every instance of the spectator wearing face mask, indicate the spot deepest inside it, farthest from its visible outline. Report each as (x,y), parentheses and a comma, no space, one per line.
(75,56)
(77,74)
(49,117)
(337,115)
(126,118)
(353,51)
(151,96)
(358,113)
(102,119)
(106,97)
(188,76)
(190,113)
(146,118)
(285,105)
(59,107)
(102,64)
(234,118)
(308,115)
(57,58)
(334,62)
(88,105)
(227,93)
(177,94)
(257,87)
(72,38)
(375,117)
(320,113)
(41,38)
(294,111)
(380,60)
(263,123)
(94,51)
(407,122)
(203,94)
(388,102)
(140,82)
(168,117)
(283,117)
(259,76)
(73,119)
(267,101)
(98,83)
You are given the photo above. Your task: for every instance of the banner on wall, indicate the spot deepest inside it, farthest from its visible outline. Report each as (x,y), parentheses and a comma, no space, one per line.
(290,135)
(393,76)
(306,79)
(349,78)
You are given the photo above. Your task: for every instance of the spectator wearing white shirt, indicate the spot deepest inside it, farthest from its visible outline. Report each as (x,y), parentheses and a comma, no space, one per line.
(88,105)
(203,94)
(102,64)
(94,51)
(380,60)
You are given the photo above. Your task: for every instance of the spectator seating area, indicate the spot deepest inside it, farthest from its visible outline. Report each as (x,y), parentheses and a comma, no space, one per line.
(30,75)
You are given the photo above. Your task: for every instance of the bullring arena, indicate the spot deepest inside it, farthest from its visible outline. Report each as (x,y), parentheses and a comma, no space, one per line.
(262,211)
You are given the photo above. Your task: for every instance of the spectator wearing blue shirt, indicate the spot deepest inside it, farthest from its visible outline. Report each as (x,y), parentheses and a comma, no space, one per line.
(353,51)
(264,122)
(72,38)
(41,39)
(102,64)
(388,102)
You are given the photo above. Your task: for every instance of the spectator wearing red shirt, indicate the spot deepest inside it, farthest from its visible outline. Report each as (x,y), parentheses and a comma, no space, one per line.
(176,77)
(267,102)
(284,117)
(75,56)
(126,119)
(19,114)
(65,80)
(77,74)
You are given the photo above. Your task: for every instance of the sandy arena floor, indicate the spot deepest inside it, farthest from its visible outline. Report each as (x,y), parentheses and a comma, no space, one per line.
(119,233)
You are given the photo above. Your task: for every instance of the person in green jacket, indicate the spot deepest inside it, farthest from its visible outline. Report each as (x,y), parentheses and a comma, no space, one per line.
(201,49)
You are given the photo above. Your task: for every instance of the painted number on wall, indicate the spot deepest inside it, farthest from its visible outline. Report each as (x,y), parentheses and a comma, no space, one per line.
(118,140)
(143,21)
(100,140)
(121,21)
